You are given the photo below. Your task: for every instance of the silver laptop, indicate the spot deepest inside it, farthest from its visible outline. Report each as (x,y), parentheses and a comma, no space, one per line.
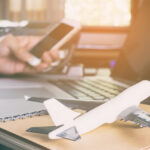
(133,65)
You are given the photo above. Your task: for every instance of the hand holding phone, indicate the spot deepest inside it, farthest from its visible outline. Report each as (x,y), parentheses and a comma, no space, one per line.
(55,39)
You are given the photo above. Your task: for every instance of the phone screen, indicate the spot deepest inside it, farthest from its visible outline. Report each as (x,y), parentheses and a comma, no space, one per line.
(51,39)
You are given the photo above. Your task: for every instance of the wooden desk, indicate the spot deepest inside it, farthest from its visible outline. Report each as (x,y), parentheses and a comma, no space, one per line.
(117,136)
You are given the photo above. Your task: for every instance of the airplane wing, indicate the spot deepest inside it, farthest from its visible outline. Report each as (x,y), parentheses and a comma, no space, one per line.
(136,115)
(59,113)
(71,103)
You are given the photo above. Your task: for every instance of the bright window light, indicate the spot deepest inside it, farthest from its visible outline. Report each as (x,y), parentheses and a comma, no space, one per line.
(99,12)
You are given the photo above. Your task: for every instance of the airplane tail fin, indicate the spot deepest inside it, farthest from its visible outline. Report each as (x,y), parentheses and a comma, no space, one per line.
(59,113)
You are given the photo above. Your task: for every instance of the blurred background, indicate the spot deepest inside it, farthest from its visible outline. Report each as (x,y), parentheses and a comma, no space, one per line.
(88,12)
(105,24)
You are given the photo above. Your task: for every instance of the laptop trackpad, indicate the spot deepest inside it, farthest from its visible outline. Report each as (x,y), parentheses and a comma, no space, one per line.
(13,93)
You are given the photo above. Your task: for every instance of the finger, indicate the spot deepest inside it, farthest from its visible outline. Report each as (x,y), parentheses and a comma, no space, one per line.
(11,42)
(41,67)
(23,55)
(23,41)
(22,68)
(54,54)
(46,57)
(29,70)
(14,67)
(28,40)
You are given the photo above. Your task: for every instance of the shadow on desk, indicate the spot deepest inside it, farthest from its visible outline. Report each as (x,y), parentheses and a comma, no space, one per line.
(2,147)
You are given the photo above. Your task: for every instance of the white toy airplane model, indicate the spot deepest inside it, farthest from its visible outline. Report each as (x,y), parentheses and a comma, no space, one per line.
(70,125)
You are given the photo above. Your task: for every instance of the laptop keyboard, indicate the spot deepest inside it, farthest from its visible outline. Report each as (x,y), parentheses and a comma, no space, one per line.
(89,89)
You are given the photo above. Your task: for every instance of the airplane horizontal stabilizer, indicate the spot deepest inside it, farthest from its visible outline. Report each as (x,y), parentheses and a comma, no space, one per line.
(42,130)
(70,134)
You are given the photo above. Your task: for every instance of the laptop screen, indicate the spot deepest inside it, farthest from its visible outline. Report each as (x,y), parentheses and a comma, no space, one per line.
(134,60)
